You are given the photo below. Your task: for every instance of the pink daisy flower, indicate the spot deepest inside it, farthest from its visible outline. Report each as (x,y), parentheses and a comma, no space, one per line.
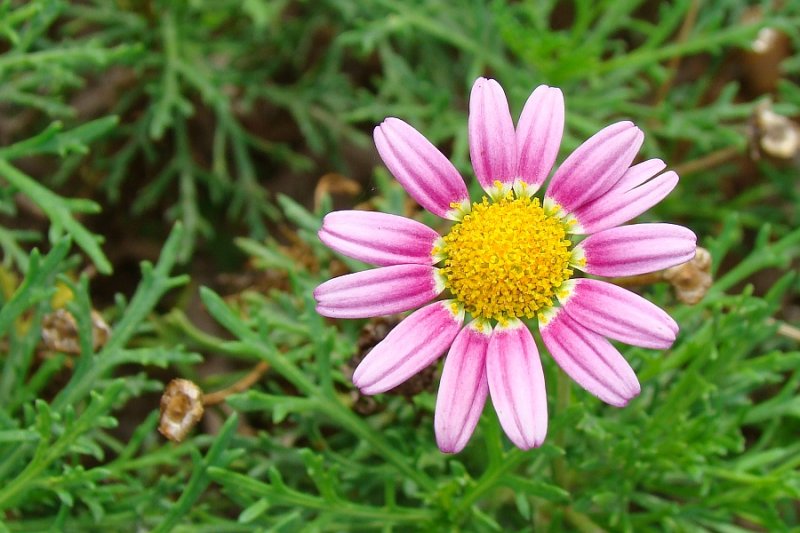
(508,261)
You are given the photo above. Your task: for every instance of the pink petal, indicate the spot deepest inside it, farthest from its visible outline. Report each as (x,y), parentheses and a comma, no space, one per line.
(539,132)
(462,389)
(638,174)
(378,238)
(412,345)
(617,206)
(423,171)
(516,384)
(492,141)
(590,360)
(620,314)
(380,291)
(595,165)
(636,249)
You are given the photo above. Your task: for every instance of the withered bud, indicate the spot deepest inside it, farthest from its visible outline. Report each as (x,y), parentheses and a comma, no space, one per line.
(691,280)
(181,409)
(766,40)
(761,62)
(60,331)
(775,135)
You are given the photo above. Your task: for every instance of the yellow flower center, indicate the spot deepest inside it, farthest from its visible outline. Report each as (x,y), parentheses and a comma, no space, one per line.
(506,258)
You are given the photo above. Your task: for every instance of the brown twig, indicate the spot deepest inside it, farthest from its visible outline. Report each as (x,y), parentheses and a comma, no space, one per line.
(674,63)
(639,281)
(333,183)
(243,384)
(711,160)
(786,330)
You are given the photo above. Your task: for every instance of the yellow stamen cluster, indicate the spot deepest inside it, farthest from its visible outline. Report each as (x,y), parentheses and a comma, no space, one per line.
(506,258)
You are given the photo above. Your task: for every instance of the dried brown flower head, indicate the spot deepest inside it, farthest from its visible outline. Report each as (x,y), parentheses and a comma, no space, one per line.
(778,135)
(761,63)
(774,136)
(692,279)
(181,409)
(60,331)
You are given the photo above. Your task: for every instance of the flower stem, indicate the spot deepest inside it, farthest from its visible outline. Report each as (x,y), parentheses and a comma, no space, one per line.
(490,478)
(683,34)
(579,521)
(563,396)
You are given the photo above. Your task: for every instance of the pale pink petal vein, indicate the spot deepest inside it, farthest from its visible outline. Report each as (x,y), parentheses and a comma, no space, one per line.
(462,390)
(423,171)
(516,385)
(381,291)
(378,238)
(412,345)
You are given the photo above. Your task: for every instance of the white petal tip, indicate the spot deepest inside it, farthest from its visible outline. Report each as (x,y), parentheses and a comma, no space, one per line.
(529,446)
(623,401)
(449,449)
(533,438)
(369,390)
(624,394)
(448,444)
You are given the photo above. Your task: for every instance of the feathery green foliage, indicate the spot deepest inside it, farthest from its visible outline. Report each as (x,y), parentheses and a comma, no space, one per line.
(186,137)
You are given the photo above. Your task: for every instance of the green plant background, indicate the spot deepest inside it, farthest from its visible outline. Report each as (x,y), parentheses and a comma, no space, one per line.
(158,161)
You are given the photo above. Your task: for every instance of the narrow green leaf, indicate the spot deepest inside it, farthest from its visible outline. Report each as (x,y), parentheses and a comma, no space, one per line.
(37,284)
(54,141)
(223,314)
(541,489)
(254,511)
(299,215)
(18,435)
(59,212)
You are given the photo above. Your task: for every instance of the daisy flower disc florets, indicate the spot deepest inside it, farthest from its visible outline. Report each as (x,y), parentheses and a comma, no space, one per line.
(508,262)
(506,258)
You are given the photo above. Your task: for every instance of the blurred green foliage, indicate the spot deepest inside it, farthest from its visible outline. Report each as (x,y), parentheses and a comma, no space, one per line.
(186,114)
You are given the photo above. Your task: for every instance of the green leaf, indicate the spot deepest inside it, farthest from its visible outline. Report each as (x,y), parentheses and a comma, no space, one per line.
(541,489)
(299,215)
(59,210)
(18,435)
(254,511)
(37,284)
(223,314)
(200,479)
(61,143)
